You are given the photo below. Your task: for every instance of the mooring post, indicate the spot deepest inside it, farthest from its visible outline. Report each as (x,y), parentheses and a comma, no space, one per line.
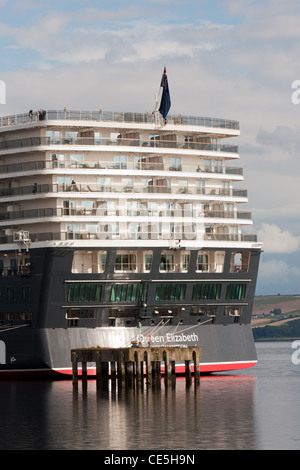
(98,368)
(173,369)
(187,372)
(196,367)
(121,369)
(113,371)
(75,368)
(137,367)
(84,374)
(148,368)
(104,373)
(129,373)
(167,367)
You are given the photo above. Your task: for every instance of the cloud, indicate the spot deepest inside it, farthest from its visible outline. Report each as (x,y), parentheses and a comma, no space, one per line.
(278,269)
(276,240)
(277,275)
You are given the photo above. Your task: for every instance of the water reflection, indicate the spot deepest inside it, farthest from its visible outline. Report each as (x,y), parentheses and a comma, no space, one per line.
(251,409)
(217,414)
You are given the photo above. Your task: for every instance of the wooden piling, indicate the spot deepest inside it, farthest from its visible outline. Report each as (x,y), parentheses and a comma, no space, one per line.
(129,366)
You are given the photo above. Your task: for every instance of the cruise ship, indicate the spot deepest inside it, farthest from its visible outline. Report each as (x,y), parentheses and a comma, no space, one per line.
(119,230)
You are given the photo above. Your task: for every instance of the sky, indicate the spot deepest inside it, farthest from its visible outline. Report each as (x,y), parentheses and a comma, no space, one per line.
(227,59)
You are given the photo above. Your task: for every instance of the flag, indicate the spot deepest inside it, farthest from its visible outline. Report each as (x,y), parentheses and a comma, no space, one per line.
(165,103)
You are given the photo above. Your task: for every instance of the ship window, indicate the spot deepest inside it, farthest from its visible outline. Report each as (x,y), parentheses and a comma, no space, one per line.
(58,160)
(104,184)
(235,312)
(176,164)
(76,160)
(108,231)
(81,313)
(239,262)
(148,261)
(26,316)
(11,294)
(236,291)
(131,292)
(84,292)
(210,291)
(53,137)
(12,316)
(123,312)
(120,162)
(125,262)
(127,184)
(71,136)
(97,137)
(166,261)
(89,261)
(185,261)
(170,291)
(64,183)
(166,312)
(87,207)
(26,293)
(210,261)
(204,311)
(208,165)
(202,262)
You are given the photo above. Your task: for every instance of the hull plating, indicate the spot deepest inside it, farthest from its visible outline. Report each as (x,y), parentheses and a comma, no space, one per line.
(48,351)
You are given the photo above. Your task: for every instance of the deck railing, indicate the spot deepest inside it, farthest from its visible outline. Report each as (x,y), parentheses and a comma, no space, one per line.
(62,236)
(192,189)
(111,165)
(29,142)
(101,115)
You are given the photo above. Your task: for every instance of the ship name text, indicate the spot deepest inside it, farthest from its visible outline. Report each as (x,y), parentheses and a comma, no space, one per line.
(168,338)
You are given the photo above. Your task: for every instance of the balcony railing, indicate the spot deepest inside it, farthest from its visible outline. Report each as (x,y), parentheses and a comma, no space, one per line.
(110,165)
(30,142)
(100,214)
(99,116)
(118,188)
(62,236)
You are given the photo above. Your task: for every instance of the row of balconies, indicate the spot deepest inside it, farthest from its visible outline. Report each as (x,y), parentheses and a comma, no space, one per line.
(99,212)
(84,235)
(108,165)
(135,188)
(29,142)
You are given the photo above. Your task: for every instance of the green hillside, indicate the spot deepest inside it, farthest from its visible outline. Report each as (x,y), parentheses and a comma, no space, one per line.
(276,317)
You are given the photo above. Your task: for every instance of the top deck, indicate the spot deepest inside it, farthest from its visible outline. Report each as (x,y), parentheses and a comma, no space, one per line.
(126,117)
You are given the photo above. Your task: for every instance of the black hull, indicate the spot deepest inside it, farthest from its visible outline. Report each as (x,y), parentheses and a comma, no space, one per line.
(41,342)
(223,348)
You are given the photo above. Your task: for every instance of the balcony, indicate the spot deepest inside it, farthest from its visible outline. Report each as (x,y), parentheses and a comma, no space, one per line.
(31,142)
(100,213)
(62,236)
(192,168)
(85,188)
(103,116)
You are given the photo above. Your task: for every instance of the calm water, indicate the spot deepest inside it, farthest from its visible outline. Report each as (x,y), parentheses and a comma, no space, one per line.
(254,409)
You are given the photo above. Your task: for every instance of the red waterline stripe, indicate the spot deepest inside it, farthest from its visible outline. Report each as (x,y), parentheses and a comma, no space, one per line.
(180,369)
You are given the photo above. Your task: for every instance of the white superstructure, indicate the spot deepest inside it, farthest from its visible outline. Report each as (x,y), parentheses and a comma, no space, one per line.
(96,177)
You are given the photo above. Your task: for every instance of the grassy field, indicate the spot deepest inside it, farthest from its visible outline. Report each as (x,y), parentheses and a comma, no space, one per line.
(289,305)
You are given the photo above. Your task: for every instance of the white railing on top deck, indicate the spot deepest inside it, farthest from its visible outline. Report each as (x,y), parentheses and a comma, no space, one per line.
(101,115)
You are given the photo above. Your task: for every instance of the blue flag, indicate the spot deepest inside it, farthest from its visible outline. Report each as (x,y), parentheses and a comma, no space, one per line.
(165,103)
